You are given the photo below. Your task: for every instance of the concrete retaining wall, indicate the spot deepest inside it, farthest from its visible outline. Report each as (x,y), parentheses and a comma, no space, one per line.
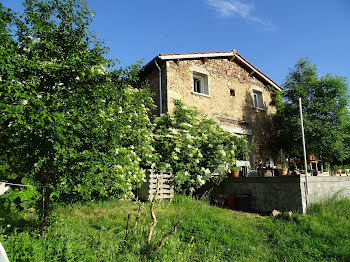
(323,188)
(282,193)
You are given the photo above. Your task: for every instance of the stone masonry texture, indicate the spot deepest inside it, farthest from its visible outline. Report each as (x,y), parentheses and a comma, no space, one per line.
(223,75)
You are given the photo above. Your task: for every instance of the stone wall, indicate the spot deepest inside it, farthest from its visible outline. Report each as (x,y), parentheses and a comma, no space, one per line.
(224,75)
(285,193)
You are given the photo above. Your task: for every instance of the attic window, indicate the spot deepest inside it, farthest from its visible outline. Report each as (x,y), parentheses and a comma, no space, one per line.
(232,92)
(200,83)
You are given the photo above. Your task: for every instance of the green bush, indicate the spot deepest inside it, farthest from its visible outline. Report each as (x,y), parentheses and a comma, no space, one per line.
(66,122)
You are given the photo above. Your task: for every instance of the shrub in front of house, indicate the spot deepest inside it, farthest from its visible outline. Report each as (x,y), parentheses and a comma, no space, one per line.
(194,147)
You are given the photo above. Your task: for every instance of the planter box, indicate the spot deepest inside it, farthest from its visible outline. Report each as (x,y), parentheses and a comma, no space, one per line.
(165,187)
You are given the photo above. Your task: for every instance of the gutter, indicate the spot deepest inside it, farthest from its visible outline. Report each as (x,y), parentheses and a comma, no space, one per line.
(160,87)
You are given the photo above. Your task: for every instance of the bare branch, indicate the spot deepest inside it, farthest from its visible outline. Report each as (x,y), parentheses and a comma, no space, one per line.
(168,234)
(127,225)
(153,215)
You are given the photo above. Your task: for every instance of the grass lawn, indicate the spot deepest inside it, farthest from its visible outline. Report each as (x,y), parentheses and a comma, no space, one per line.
(96,232)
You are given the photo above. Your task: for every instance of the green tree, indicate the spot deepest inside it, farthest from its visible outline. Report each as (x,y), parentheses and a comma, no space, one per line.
(194,147)
(326,117)
(68,125)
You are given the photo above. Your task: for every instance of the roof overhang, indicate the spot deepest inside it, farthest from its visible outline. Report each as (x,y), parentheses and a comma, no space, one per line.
(231,54)
(194,55)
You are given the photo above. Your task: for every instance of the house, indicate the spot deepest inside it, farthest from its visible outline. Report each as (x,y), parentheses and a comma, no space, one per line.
(224,85)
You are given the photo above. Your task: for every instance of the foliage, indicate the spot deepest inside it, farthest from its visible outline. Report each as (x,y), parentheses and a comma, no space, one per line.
(340,167)
(235,168)
(326,117)
(16,200)
(66,122)
(282,160)
(193,146)
(327,167)
(96,232)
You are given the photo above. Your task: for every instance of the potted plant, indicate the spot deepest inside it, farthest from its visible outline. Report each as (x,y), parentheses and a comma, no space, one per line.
(235,171)
(282,164)
(328,168)
(337,170)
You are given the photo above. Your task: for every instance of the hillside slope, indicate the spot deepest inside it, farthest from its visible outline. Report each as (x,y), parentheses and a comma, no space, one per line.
(96,232)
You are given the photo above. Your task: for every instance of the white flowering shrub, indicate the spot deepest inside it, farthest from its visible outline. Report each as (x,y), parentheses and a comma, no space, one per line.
(193,146)
(66,122)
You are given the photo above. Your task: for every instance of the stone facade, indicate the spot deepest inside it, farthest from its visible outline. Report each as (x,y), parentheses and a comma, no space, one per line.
(235,112)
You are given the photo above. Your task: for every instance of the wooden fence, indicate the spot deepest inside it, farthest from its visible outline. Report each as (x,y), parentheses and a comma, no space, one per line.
(165,187)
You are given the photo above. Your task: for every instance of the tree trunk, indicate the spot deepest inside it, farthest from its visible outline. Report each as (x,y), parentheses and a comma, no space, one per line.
(46,209)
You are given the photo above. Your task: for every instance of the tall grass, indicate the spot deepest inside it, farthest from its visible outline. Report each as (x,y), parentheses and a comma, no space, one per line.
(96,232)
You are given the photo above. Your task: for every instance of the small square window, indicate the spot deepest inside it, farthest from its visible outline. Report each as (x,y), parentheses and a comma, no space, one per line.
(200,83)
(232,92)
(258,99)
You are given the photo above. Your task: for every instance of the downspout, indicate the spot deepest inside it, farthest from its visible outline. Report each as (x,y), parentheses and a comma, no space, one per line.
(160,88)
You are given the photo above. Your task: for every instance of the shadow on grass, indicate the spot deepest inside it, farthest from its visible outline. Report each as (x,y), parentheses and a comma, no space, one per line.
(25,220)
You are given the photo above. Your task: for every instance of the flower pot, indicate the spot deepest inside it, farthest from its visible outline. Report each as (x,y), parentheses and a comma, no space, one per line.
(310,157)
(337,170)
(234,173)
(282,171)
(231,201)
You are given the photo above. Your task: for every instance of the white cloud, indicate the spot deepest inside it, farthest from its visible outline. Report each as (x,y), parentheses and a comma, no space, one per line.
(238,8)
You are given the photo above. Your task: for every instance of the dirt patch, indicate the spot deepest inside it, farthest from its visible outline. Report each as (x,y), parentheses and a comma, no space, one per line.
(244,214)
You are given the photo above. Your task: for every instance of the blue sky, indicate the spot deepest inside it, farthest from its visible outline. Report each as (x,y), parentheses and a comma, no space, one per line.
(271,34)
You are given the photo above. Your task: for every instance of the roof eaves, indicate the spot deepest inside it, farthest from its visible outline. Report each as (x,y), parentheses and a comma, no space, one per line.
(194,55)
(269,80)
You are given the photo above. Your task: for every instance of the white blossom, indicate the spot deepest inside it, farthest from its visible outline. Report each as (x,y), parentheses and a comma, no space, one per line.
(200,180)
(187,124)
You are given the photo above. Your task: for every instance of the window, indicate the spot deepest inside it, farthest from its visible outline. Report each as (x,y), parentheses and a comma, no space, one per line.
(258,99)
(200,83)
(232,92)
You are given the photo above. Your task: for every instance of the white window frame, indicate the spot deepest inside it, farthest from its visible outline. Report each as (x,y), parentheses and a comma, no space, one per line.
(201,75)
(258,98)
(200,80)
